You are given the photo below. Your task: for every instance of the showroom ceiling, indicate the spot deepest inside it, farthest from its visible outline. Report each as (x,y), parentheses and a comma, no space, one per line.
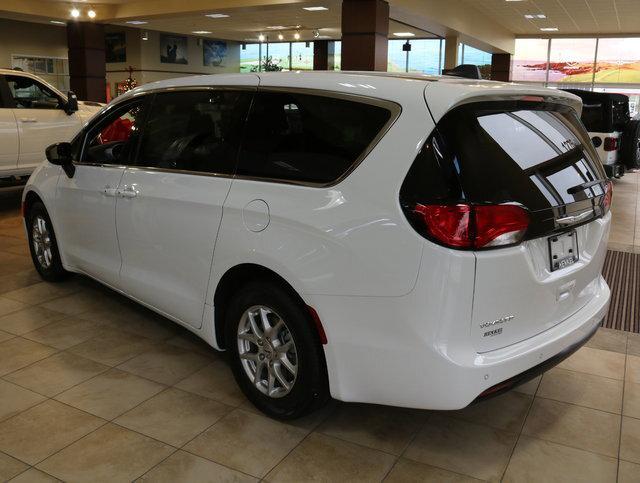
(568,16)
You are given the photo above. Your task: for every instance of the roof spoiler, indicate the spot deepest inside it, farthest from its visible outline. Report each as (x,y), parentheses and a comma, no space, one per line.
(468,71)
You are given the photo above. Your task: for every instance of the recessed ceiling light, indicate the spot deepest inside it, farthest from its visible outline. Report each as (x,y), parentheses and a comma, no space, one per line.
(276,27)
(296,36)
(314,9)
(75,13)
(261,38)
(280,37)
(201,32)
(404,34)
(137,22)
(217,15)
(91,13)
(57,22)
(538,15)
(549,29)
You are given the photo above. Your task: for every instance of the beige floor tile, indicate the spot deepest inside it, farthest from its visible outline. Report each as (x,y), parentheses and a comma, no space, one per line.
(13,281)
(64,333)
(33,475)
(173,416)
(530,387)
(113,347)
(506,411)
(576,426)
(5,336)
(55,374)
(633,344)
(182,466)
(191,342)
(596,362)
(535,460)
(44,429)
(110,394)
(214,381)
(15,399)
(628,472)
(407,471)
(349,462)
(165,364)
(11,263)
(609,340)
(309,423)
(633,369)
(10,467)
(8,306)
(17,353)
(379,427)
(28,319)
(109,454)
(21,249)
(631,406)
(134,320)
(8,242)
(41,292)
(247,442)
(630,440)
(462,447)
(582,389)
(78,302)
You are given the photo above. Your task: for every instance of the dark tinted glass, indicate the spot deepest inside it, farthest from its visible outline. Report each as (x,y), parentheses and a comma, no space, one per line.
(28,93)
(112,140)
(196,131)
(307,138)
(533,154)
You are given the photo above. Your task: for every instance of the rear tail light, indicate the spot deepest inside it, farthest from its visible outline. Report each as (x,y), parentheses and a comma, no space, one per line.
(608,197)
(473,226)
(610,144)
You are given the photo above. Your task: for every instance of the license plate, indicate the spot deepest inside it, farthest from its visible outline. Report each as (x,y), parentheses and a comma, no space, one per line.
(563,250)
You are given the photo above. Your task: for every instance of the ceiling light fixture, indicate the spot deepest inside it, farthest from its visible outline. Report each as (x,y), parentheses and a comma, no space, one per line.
(316,33)
(404,34)
(145,35)
(91,13)
(261,38)
(280,37)
(57,22)
(537,15)
(314,9)
(75,13)
(276,27)
(549,29)
(217,15)
(136,22)
(296,36)
(201,32)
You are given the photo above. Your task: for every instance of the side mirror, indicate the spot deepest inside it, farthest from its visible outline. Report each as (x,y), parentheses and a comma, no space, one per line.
(60,155)
(72,103)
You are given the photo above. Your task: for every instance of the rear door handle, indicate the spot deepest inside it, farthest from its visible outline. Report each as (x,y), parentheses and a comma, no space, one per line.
(128,192)
(28,119)
(109,191)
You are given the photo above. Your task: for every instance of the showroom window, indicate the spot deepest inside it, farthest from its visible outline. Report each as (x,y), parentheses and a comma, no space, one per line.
(250,55)
(302,55)
(194,131)
(426,56)
(280,54)
(530,60)
(306,138)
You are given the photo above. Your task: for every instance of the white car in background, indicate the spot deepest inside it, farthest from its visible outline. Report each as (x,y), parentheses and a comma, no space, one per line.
(33,115)
(406,240)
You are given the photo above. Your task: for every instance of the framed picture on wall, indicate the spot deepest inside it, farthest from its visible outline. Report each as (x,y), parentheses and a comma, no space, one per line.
(173,49)
(213,53)
(115,47)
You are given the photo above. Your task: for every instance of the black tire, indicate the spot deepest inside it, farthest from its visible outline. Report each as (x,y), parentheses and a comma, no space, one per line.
(309,390)
(50,268)
(631,145)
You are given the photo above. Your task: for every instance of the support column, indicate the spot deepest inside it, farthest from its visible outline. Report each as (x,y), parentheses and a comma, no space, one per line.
(365,33)
(501,67)
(87,65)
(321,55)
(451,60)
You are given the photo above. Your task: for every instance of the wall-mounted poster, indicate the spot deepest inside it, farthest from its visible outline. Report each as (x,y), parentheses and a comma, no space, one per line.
(115,47)
(173,49)
(213,52)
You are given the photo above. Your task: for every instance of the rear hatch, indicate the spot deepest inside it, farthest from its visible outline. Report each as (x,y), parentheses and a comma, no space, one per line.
(534,161)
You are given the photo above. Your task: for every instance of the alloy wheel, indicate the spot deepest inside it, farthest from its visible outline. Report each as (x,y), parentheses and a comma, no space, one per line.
(41,240)
(267,351)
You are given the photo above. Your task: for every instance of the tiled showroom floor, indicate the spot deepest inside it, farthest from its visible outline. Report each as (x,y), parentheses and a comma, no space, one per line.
(93,388)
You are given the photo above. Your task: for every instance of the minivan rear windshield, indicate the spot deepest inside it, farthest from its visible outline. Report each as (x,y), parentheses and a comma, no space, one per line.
(535,154)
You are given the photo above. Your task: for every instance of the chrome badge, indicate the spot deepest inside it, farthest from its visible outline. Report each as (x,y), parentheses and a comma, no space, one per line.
(501,320)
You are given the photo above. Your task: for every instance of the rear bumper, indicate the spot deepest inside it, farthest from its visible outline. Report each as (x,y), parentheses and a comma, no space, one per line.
(615,170)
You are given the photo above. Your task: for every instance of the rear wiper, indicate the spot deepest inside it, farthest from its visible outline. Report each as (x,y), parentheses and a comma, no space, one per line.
(576,189)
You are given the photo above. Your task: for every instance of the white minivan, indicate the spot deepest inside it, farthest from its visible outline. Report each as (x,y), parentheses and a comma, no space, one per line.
(406,240)
(33,115)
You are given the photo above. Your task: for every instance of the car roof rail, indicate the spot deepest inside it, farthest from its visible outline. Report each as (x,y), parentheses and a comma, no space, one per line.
(468,71)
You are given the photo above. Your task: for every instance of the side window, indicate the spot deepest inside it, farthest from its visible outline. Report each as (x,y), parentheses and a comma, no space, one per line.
(196,131)
(28,93)
(112,139)
(307,138)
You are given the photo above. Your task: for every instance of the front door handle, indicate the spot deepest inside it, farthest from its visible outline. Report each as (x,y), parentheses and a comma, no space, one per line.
(109,191)
(128,192)
(28,119)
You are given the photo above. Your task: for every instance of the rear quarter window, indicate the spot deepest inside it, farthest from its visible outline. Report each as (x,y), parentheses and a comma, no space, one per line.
(294,137)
